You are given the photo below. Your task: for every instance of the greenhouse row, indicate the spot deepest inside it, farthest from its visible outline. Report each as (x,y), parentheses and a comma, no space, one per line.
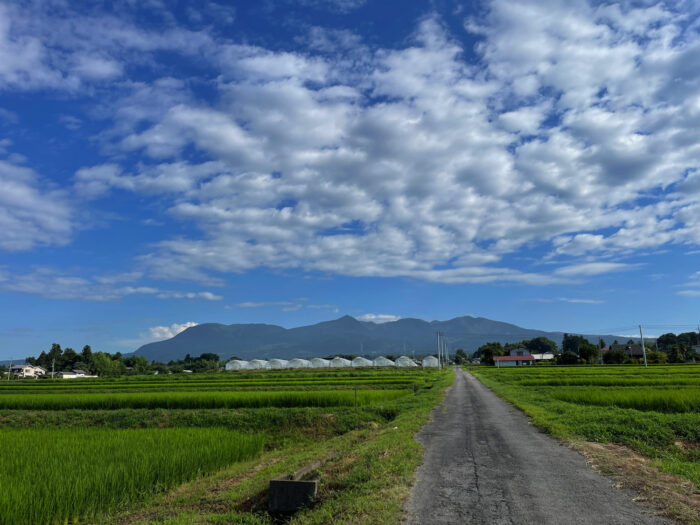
(317,362)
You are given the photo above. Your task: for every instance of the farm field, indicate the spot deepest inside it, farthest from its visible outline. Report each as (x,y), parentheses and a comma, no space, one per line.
(655,411)
(111,451)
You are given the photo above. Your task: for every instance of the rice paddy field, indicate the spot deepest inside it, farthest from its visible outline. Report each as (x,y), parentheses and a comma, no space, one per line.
(655,410)
(202,448)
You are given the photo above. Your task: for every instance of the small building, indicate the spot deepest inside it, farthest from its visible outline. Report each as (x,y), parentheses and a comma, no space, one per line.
(237,364)
(632,350)
(543,357)
(298,363)
(430,362)
(340,362)
(259,364)
(278,364)
(361,361)
(520,351)
(25,370)
(383,361)
(317,362)
(513,360)
(405,361)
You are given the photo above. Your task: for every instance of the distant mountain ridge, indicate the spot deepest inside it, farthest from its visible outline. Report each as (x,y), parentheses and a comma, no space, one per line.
(345,335)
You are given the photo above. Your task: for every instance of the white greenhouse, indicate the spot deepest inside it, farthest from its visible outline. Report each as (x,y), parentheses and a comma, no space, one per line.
(339,362)
(278,364)
(430,362)
(317,362)
(405,361)
(298,363)
(361,361)
(237,364)
(383,361)
(259,364)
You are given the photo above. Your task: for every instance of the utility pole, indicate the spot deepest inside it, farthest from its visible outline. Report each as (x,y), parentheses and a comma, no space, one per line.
(53,363)
(438,348)
(644,350)
(9,372)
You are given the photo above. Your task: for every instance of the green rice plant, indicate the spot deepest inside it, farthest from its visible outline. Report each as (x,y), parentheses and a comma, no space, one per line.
(681,400)
(185,400)
(59,475)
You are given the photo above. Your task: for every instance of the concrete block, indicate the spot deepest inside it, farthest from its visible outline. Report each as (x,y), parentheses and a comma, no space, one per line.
(288,495)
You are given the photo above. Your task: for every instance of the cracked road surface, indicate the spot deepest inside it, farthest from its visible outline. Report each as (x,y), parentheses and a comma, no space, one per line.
(485,463)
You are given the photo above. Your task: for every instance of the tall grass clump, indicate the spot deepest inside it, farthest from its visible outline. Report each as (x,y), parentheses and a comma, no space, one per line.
(61,475)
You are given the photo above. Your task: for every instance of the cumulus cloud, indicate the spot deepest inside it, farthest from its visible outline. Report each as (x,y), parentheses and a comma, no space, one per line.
(571,134)
(379,318)
(160,333)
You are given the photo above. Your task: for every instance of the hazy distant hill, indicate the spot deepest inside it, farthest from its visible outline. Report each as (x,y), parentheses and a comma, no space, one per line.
(346,335)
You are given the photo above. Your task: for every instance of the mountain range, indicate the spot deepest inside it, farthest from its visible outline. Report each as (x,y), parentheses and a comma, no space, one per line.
(345,335)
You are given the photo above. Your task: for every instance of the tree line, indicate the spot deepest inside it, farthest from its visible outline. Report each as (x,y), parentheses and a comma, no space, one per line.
(576,349)
(105,364)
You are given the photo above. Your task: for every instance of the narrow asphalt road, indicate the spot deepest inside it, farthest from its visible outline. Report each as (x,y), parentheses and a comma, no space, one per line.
(485,463)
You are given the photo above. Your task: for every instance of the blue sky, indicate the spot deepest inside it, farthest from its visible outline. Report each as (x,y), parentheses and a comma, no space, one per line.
(170,163)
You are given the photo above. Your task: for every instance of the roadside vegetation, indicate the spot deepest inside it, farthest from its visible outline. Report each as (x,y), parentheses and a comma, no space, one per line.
(655,411)
(113,450)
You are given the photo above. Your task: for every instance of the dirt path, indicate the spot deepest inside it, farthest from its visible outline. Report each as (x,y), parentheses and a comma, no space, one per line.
(485,463)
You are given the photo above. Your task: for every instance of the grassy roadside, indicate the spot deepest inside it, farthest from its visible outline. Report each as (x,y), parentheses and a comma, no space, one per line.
(657,454)
(367,480)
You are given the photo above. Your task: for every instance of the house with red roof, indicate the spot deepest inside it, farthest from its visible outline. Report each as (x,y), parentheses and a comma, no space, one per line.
(517,357)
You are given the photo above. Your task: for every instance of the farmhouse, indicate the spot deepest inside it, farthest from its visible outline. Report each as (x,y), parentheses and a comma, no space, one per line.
(632,350)
(26,370)
(74,374)
(517,357)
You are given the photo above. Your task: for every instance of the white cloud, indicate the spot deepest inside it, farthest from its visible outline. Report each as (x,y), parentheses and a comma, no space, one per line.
(573,300)
(592,268)
(54,284)
(32,212)
(160,333)
(570,133)
(379,318)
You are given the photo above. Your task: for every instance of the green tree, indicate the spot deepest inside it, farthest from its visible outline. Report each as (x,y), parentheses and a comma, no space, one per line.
(461,357)
(573,343)
(489,351)
(68,359)
(676,354)
(614,357)
(589,353)
(541,345)
(601,343)
(567,358)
